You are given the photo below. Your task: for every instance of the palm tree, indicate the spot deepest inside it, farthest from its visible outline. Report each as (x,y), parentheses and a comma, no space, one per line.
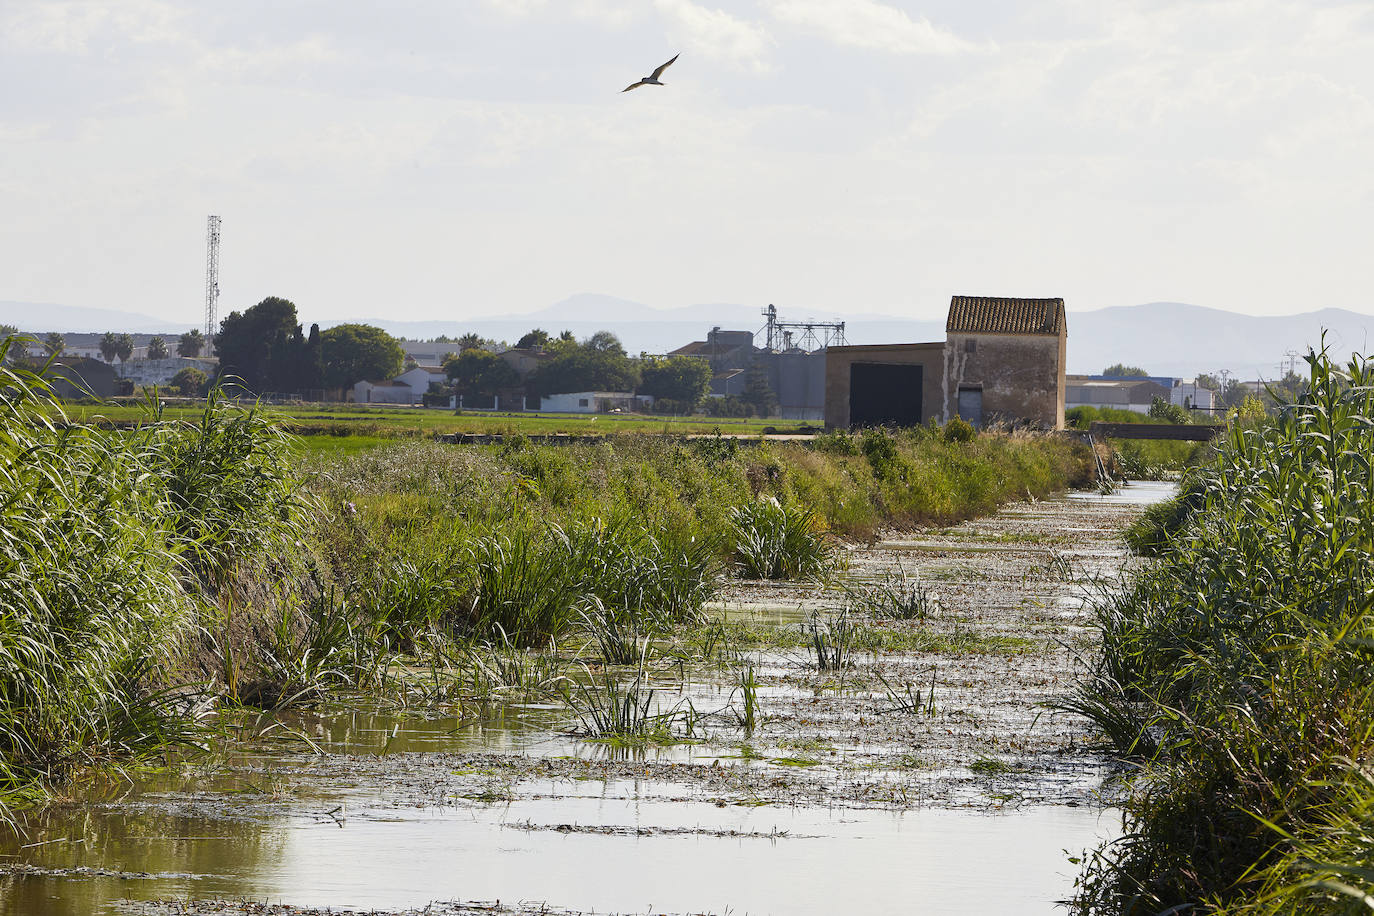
(54,343)
(109,346)
(157,348)
(191,343)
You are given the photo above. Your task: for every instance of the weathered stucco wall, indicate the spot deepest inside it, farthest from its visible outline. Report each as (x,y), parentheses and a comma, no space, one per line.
(838,360)
(1021,376)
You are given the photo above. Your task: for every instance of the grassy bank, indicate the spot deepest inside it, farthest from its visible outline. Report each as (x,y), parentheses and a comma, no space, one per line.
(1237,675)
(145,572)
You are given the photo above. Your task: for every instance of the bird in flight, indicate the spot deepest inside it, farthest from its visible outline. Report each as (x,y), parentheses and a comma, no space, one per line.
(652,79)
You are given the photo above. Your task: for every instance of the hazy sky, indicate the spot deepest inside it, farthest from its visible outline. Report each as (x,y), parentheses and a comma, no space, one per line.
(428,160)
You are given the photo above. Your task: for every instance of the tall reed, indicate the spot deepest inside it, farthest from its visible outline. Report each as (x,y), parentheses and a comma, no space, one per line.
(112,548)
(1237,675)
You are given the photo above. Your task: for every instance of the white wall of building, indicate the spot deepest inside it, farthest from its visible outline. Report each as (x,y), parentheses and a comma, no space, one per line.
(383,393)
(419,379)
(593,402)
(1185,390)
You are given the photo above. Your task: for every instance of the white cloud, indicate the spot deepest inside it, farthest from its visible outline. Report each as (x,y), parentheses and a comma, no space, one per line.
(716,34)
(607,12)
(70,27)
(868,24)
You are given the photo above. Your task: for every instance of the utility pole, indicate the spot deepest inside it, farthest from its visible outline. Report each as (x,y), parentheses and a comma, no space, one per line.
(211,281)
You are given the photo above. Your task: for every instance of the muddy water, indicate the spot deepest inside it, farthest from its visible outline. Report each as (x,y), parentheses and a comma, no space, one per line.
(825,809)
(603,848)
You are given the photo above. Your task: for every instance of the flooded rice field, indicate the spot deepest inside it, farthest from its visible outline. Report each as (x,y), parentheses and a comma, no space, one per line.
(923,774)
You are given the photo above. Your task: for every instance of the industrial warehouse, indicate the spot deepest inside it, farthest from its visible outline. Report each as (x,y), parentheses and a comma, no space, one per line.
(1002,361)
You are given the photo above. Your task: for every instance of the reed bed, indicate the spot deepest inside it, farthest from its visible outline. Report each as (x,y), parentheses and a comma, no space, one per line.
(113,551)
(1237,675)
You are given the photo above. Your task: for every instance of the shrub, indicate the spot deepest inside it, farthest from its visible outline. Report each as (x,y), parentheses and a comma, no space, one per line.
(957,429)
(773,541)
(189,382)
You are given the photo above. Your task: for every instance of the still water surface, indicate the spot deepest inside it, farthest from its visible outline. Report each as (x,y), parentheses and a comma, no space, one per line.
(818,862)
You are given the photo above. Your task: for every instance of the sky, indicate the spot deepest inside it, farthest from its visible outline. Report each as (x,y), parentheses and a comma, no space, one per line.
(476,158)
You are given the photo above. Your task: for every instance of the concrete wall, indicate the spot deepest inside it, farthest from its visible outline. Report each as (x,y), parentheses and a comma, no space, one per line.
(1021,376)
(838,360)
(146,372)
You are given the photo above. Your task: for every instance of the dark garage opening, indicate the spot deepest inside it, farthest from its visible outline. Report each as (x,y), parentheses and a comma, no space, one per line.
(884,394)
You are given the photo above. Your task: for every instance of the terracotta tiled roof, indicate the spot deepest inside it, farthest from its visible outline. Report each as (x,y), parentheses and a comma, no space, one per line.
(991,315)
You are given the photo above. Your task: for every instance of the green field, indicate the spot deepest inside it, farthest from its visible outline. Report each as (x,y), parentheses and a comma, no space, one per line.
(368,426)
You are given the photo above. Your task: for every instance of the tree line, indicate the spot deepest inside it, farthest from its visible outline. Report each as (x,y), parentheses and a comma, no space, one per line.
(267,349)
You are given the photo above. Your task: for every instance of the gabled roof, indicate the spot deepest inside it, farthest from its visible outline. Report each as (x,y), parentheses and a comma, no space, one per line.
(992,315)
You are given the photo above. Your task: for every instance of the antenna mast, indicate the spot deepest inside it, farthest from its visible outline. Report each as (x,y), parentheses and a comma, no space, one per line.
(211,280)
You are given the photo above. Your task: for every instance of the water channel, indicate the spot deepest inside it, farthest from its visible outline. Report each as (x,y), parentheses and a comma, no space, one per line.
(329,829)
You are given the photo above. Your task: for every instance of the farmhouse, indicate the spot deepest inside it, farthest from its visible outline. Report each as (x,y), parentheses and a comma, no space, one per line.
(1002,361)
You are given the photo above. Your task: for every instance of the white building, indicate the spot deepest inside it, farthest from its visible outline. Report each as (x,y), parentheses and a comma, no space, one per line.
(1187,393)
(594,402)
(419,379)
(388,391)
(1133,394)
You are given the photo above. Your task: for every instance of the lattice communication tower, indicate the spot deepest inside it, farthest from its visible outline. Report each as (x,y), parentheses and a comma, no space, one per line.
(211,280)
(781,335)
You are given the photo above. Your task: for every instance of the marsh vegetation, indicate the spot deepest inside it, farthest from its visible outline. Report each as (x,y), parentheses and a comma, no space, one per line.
(1236,675)
(155,575)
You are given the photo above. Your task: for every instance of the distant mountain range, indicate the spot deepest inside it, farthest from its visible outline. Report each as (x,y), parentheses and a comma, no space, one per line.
(1165,338)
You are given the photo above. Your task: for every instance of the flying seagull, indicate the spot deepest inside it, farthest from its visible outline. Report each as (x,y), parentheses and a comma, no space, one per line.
(652,79)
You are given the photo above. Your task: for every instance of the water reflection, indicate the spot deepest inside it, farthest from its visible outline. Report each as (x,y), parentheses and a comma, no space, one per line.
(924,862)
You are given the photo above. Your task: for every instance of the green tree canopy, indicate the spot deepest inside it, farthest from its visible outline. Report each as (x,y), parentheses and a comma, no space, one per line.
(604,342)
(480,373)
(1162,410)
(1121,370)
(354,352)
(124,347)
(595,365)
(157,348)
(537,339)
(312,369)
(191,343)
(54,343)
(262,346)
(470,341)
(109,346)
(678,378)
(758,392)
